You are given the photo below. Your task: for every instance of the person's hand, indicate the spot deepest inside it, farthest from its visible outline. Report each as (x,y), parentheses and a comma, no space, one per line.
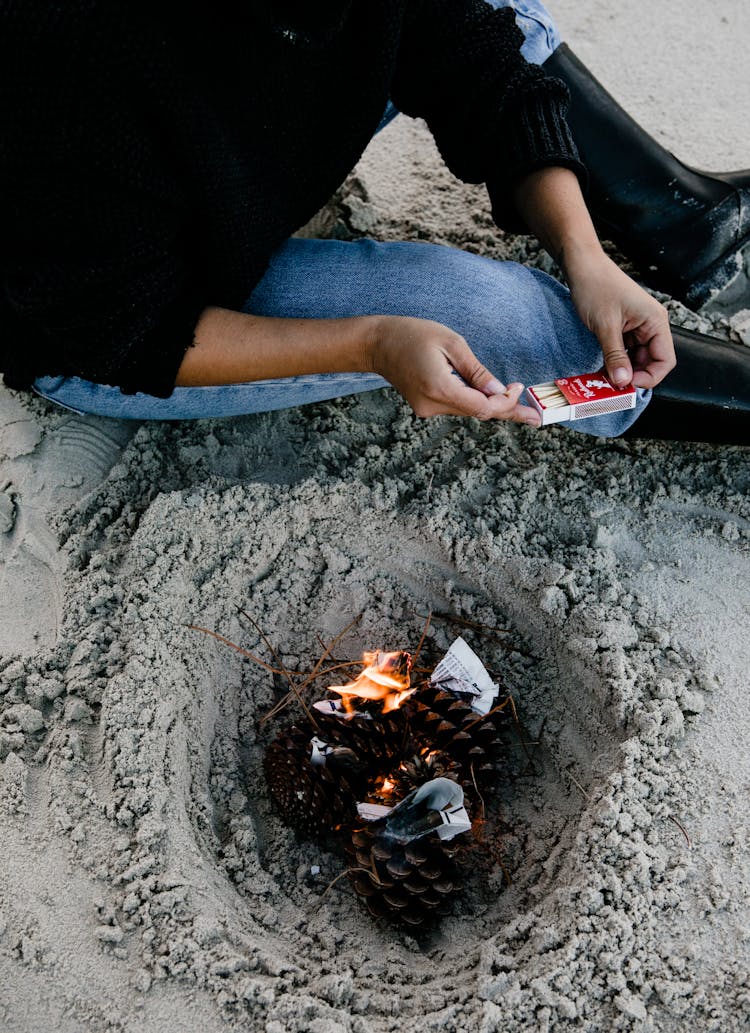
(419,357)
(631,326)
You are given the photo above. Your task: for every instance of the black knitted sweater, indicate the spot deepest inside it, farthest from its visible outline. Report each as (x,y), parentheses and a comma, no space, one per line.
(154,155)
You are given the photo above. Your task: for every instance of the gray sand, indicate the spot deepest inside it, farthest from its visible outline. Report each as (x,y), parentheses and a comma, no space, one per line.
(146,883)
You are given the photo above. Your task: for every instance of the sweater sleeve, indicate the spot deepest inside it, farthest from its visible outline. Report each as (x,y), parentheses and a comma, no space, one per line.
(495,117)
(120,311)
(94,268)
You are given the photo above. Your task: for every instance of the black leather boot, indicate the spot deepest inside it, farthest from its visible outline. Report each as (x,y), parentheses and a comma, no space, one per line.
(688,231)
(705,398)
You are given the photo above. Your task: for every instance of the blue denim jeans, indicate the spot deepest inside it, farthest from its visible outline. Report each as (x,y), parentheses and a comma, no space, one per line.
(520,322)
(537,25)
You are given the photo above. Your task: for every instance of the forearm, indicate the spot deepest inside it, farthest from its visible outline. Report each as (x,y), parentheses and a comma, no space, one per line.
(551,202)
(232,348)
(632,327)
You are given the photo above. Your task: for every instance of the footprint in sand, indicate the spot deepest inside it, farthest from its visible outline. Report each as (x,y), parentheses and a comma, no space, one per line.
(43,469)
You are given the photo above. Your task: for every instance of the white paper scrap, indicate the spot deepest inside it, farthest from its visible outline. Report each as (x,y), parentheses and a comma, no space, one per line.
(437,806)
(455,821)
(372,811)
(463,673)
(335,706)
(319,751)
(328,706)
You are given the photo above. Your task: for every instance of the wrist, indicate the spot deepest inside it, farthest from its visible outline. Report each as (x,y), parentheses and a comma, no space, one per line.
(373,334)
(578,254)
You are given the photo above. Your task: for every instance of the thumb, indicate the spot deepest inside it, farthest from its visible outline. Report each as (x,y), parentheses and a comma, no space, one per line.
(616,360)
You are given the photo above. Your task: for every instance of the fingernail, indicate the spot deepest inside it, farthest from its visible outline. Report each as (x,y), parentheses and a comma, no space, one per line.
(621,376)
(493,387)
(533,419)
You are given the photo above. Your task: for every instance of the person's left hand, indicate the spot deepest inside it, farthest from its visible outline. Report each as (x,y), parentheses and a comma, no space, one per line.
(631,326)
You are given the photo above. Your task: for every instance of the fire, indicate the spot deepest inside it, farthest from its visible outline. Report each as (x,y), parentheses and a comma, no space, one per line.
(388,785)
(385,678)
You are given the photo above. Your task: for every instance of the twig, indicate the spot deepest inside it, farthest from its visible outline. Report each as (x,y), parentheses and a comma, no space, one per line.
(495,710)
(337,667)
(476,790)
(450,618)
(682,829)
(426,628)
(270,648)
(329,649)
(286,700)
(309,679)
(575,782)
(252,656)
(239,649)
(332,883)
(504,870)
(481,822)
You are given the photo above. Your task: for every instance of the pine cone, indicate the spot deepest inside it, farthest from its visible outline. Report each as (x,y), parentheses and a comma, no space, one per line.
(377,739)
(441,721)
(419,768)
(313,798)
(412,883)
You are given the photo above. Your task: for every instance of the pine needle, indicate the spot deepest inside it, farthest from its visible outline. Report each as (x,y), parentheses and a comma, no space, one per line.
(238,649)
(251,656)
(682,829)
(270,648)
(462,622)
(286,700)
(426,628)
(332,883)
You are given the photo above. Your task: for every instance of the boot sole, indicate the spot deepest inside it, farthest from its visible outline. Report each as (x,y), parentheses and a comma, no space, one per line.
(734,295)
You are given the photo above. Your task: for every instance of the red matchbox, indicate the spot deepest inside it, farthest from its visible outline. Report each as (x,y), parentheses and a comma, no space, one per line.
(576,398)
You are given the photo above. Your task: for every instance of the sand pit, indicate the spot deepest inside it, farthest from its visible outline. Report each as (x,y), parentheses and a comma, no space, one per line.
(146,883)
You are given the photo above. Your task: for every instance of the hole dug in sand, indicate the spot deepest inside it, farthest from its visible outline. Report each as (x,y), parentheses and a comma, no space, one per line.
(227,890)
(153,770)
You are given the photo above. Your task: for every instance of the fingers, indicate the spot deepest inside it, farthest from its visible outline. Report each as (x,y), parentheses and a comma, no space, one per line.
(440,375)
(457,399)
(616,359)
(470,369)
(654,356)
(497,401)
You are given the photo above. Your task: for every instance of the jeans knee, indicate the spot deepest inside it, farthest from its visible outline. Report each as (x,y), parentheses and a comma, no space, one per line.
(541,34)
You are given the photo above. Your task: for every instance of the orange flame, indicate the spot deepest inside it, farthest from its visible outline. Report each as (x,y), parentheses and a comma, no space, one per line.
(385,677)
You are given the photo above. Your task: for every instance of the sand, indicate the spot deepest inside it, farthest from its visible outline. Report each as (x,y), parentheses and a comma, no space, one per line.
(146,883)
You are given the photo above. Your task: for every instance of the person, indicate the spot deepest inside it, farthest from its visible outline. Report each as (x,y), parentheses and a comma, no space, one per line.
(153,169)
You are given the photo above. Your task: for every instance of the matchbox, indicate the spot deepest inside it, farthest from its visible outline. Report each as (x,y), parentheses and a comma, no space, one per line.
(575,398)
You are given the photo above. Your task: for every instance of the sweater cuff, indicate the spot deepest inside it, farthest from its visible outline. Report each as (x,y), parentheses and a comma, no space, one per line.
(535,135)
(154,360)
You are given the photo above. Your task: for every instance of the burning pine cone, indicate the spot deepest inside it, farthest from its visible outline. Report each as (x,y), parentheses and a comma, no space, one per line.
(397,770)
(414,771)
(377,739)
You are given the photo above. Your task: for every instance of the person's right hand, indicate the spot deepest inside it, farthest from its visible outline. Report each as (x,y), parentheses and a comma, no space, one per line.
(419,357)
